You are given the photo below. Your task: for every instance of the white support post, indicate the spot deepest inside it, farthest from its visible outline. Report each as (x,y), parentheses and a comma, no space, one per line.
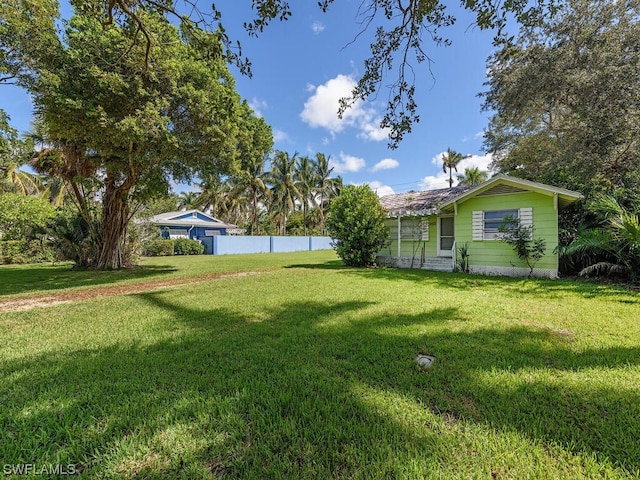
(399,234)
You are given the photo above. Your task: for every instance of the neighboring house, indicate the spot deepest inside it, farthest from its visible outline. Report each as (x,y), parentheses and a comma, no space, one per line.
(192,224)
(427,228)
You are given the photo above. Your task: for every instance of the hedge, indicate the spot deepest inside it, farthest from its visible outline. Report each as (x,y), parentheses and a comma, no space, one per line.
(185,246)
(26,251)
(159,247)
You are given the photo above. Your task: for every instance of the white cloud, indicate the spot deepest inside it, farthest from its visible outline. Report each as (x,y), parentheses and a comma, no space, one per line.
(370,129)
(386,164)
(317,27)
(347,163)
(321,110)
(433,182)
(442,179)
(475,136)
(257,106)
(280,136)
(380,188)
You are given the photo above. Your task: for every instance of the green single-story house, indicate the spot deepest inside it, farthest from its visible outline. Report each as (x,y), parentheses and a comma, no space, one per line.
(427,228)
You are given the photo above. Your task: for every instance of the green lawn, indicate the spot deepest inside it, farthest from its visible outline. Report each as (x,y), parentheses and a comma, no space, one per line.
(307,370)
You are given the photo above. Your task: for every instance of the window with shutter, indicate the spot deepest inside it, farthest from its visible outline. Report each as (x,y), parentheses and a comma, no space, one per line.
(487,223)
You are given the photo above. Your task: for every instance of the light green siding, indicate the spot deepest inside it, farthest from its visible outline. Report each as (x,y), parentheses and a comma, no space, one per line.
(411,244)
(497,253)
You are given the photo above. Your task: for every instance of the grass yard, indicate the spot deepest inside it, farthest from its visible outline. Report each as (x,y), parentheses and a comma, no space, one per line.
(306,369)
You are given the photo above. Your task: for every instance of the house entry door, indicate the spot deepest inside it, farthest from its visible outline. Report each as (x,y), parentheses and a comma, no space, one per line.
(446,236)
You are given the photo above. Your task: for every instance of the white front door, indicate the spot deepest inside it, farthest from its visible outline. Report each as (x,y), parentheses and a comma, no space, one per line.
(446,236)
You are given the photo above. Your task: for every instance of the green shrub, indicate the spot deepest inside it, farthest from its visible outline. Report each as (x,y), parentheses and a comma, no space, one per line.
(185,246)
(357,225)
(520,237)
(159,247)
(72,239)
(21,214)
(26,251)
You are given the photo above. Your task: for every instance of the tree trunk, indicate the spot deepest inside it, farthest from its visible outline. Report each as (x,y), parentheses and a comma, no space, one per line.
(304,217)
(113,224)
(254,223)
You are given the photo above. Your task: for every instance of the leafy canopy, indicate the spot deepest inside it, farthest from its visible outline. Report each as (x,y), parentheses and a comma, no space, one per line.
(124,110)
(21,215)
(400,41)
(566,99)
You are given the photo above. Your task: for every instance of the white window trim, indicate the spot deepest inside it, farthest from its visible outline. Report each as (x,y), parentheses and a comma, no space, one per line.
(525,215)
(178,234)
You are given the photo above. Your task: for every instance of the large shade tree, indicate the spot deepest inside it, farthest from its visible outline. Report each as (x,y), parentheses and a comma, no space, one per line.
(566,99)
(402,34)
(127,110)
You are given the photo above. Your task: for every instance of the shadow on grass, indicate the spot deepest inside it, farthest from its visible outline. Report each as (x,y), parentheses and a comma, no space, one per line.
(309,390)
(330,265)
(23,279)
(460,281)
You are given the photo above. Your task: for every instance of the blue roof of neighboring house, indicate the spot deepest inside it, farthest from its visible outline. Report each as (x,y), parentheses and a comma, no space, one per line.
(189,218)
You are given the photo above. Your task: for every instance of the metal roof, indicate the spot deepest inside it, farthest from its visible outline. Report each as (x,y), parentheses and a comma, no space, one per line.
(420,203)
(431,202)
(170,219)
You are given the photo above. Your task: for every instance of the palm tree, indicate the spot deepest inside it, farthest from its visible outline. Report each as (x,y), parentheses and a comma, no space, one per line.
(188,200)
(283,186)
(55,191)
(612,248)
(327,187)
(13,178)
(213,194)
(306,181)
(472,176)
(450,161)
(252,179)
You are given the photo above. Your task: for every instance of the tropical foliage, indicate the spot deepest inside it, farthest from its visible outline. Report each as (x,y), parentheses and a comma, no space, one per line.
(472,176)
(290,196)
(612,246)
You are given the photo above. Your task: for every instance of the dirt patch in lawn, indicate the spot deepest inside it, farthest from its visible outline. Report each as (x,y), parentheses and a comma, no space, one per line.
(18,304)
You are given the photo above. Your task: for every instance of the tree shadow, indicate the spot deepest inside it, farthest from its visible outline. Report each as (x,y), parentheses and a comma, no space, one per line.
(539,288)
(281,395)
(18,279)
(329,265)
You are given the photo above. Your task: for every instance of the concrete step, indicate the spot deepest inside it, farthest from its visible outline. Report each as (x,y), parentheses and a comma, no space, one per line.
(440,264)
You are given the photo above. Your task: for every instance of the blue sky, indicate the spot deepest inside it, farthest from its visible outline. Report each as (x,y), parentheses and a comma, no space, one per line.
(301,68)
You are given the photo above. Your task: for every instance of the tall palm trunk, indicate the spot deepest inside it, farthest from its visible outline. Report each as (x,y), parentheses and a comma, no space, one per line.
(254,223)
(304,216)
